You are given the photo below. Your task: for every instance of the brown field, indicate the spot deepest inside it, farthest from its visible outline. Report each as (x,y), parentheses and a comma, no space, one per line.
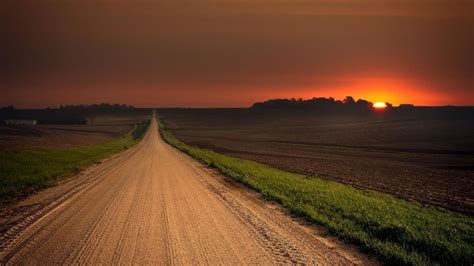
(101,129)
(427,159)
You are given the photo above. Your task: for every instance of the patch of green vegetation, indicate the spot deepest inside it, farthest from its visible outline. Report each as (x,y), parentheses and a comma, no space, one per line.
(25,171)
(396,231)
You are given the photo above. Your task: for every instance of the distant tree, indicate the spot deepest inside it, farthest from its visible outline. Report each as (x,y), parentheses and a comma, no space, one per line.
(364,104)
(9,107)
(406,105)
(349,100)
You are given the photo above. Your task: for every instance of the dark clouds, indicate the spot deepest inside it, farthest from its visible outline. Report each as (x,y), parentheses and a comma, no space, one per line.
(147,51)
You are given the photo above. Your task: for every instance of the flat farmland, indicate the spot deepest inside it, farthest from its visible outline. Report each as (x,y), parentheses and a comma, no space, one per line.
(34,157)
(429,159)
(100,129)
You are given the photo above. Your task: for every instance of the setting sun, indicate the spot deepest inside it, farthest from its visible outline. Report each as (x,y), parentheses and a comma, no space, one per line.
(380,105)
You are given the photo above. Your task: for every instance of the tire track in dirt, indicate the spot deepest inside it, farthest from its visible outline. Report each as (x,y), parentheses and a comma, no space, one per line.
(37,206)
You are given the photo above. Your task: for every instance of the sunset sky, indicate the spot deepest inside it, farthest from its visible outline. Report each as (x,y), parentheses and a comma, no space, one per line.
(232,53)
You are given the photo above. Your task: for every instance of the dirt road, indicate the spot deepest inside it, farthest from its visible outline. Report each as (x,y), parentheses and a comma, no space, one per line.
(153,204)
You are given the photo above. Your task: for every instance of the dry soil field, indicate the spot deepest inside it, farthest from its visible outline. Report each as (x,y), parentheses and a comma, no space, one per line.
(427,159)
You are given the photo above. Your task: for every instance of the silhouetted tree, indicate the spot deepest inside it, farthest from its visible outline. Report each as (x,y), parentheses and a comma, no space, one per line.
(364,104)
(348,100)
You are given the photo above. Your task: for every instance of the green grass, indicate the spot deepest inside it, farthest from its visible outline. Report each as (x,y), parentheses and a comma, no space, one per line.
(25,171)
(395,231)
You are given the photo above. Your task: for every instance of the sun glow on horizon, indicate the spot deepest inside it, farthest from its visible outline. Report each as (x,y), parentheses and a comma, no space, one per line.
(380,105)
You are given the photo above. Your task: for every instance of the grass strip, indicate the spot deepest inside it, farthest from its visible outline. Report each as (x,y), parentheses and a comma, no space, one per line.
(25,171)
(395,231)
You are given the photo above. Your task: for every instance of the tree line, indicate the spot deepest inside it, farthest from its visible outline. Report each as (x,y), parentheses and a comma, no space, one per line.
(318,103)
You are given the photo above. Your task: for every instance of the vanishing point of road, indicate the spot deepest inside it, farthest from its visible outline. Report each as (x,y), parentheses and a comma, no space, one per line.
(153,204)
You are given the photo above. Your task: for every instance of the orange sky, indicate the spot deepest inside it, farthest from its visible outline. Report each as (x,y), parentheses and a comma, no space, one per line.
(235,52)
